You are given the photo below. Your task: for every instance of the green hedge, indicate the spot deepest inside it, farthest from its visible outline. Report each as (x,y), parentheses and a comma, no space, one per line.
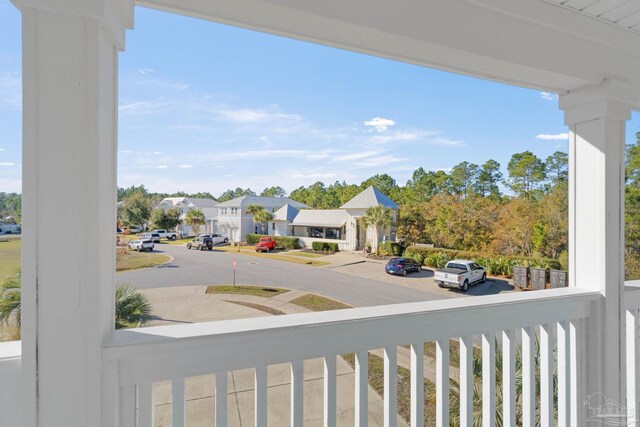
(325,247)
(495,264)
(282,242)
(392,248)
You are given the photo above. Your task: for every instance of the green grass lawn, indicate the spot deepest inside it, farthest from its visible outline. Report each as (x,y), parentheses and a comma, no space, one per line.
(134,260)
(318,303)
(258,291)
(9,258)
(307,254)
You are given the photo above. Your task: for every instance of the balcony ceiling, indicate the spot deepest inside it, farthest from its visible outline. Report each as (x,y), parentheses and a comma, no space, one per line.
(549,45)
(622,13)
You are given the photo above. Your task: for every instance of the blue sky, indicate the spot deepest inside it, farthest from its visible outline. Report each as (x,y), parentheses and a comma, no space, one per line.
(207,107)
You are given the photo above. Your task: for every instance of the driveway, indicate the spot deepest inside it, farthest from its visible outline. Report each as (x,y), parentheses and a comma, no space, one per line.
(190,268)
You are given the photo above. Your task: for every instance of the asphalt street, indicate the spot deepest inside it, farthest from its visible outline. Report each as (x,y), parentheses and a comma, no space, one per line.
(213,267)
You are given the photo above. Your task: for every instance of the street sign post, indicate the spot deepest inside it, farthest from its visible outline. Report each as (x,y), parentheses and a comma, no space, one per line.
(234,273)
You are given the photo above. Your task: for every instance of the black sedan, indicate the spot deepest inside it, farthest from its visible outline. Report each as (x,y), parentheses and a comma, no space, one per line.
(402,266)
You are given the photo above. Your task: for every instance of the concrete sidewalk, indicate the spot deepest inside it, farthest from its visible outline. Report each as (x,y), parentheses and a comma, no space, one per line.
(192,304)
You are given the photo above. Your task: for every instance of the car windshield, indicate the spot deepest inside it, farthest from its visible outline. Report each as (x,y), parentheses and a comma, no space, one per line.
(135,241)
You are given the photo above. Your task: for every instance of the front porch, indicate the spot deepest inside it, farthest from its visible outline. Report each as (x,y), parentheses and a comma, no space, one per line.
(73,373)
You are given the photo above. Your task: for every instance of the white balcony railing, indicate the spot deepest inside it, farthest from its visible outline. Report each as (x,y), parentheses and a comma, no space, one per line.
(138,358)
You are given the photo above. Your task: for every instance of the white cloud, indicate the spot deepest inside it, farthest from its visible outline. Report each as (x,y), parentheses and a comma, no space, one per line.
(553,137)
(445,141)
(380,124)
(126,151)
(185,166)
(7,164)
(261,116)
(314,175)
(1,149)
(156,153)
(162,166)
(229,175)
(145,70)
(548,96)
(427,137)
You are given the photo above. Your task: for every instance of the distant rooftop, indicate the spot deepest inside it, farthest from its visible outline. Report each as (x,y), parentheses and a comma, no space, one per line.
(267,202)
(369,198)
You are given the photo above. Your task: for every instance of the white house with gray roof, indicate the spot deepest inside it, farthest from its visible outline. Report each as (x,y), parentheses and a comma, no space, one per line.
(185,204)
(343,226)
(235,223)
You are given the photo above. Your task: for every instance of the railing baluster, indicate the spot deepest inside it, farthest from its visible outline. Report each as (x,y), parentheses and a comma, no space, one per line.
(488,379)
(632,365)
(330,391)
(466,381)
(128,400)
(145,405)
(528,378)
(390,386)
(546,377)
(576,369)
(362,389)
(564,381)
(417,385)
(508,378)
(260,396)
(222,391)
(177,403)
(442,382)
(297,381)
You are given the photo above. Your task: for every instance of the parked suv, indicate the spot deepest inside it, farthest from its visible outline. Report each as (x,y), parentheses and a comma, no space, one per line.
(217,238)
(141,245)
(155,237)
(201,243)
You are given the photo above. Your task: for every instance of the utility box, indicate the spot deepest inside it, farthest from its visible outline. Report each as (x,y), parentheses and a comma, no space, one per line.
(538,278)
(559,279)
(521,276)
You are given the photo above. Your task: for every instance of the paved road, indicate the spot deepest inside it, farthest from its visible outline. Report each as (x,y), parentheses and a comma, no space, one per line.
(202,268)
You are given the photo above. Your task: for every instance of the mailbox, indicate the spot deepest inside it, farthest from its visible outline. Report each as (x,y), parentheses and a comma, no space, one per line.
(521,276)
(559,279)
(538,278)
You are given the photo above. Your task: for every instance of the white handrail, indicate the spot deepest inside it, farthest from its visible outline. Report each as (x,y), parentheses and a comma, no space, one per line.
(179,351)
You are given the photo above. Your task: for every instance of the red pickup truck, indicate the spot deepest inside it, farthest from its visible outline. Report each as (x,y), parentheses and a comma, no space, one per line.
(265,244)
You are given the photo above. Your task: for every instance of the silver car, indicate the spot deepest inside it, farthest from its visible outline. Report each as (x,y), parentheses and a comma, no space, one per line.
(141,245)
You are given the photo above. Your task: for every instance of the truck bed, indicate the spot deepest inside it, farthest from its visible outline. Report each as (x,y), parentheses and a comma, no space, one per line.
(451,271)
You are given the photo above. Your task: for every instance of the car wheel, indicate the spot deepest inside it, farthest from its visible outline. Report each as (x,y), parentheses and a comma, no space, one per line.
(202,248)
(173,237)
(226,241)
(419,269)
(465,286)
(440,285)
(189,246)
(404,273)
(484,278)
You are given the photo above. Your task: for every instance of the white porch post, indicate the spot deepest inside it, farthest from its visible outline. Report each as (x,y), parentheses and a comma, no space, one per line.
(70,51)
(596,118)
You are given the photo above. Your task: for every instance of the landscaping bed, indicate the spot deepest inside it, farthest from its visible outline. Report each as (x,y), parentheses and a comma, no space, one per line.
(258,291)
(319,303)
(130,260)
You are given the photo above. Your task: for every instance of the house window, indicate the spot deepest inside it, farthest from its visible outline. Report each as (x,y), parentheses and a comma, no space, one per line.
(234,211)
(333,233)
(316,232)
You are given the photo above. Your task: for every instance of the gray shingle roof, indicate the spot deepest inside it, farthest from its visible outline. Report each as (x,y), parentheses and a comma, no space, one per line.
(202,203)
(369,198)
(267,202)
(285,213)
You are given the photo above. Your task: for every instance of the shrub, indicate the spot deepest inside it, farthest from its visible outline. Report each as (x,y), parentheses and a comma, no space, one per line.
(392,248)
(495,264)
(325,247)
(282,242)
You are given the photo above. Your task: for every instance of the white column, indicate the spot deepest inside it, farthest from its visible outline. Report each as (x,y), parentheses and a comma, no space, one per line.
(596,118)
(70,51)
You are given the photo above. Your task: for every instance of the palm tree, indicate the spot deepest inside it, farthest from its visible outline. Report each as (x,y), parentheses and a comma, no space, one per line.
(454,387)
(378,217)
(263,217)
(10,301)
(132,307)
(195,218)
(260,214)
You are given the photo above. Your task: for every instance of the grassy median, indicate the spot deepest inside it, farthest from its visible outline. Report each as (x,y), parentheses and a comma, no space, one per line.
(258,291)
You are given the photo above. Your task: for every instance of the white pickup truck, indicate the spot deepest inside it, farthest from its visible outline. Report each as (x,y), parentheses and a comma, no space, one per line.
(164,234)
(460,273)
